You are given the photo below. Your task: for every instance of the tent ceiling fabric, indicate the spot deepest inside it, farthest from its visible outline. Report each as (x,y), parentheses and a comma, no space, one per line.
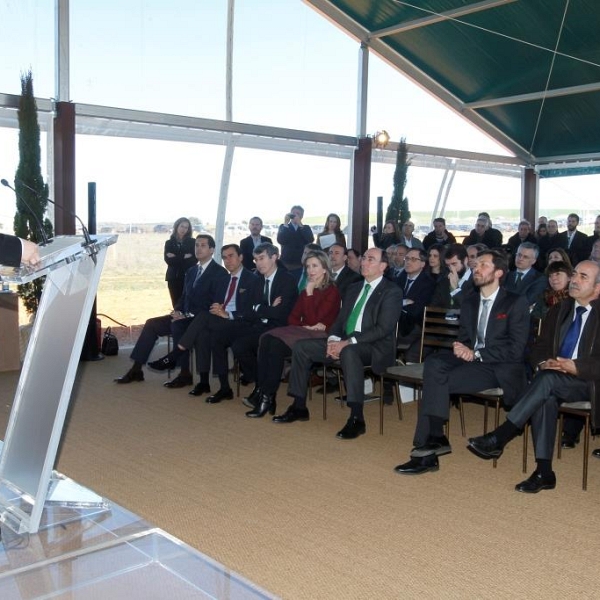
(525,71)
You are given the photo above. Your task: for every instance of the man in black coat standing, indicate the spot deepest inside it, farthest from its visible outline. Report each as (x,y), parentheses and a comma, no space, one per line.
(574,242)
(293,237)
(248,244)
(494,327)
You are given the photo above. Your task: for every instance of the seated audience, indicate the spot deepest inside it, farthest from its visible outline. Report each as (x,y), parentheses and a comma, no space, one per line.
(390,235)
(435,265)
(254,239)
(595,236)
(293,237)
(332,233)
(566,358)
(363,334)
(179,256)
(559,275)
(595,253)
(396,255)
(525,280)
(523,234)
(439,235)
(354,260)
(199,292)
(453,287)
(494,326)
(311,318)
(473,252)
(303,277)
(559,255)
(483,233)
(408,239)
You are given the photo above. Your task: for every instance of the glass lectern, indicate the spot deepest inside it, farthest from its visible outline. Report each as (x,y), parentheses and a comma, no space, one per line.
(72,266)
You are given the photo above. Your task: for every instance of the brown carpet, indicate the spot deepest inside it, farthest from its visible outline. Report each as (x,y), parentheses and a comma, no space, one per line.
(308,516)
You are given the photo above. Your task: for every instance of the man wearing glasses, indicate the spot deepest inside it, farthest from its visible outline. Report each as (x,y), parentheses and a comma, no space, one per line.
(363,334)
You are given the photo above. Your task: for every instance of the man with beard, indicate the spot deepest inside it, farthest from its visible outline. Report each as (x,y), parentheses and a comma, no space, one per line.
(574,242)
(566,356)
(452,289)
(494,327)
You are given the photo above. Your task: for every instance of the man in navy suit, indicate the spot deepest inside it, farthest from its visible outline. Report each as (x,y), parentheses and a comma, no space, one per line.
(248,244)
(293,236)
(574,242)
(343,275)
(199,292)
(363,334)
(525,280)
(223,318)
(494,327)
(14,251)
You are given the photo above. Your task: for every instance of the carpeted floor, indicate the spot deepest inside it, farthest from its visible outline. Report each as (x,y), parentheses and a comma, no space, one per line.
(308,516)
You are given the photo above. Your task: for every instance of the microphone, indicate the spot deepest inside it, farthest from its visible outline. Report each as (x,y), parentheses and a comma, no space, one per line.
(40,228)
(86,234)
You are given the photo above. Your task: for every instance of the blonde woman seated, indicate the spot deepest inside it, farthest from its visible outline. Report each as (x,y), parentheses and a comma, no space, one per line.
(313,314)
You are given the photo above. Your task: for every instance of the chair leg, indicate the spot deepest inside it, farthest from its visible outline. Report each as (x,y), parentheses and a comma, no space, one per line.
(496,424)
(324,393)
(398,401)
(586,451)
(525,446)
(381,405)
(560,430)
(485,417)
(461,409)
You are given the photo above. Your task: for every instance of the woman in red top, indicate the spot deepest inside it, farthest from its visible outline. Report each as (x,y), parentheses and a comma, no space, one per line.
(313,314)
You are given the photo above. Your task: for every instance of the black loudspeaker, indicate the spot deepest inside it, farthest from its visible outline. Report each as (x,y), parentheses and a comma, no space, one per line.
(91,348)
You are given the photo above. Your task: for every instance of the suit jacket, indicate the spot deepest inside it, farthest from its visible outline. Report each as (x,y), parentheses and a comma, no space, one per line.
(199,297)
(247,247)
(244,293)
(506,336)
(415,242)
(532,286)
(380,317)
(284,285)
(442,297)
(492,238)
(346,277)
(579,246)
(420,292)
(292,242)
(177,265)
(10,250)
(554,329)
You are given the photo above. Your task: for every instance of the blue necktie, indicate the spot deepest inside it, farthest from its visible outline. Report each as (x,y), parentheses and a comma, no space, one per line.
(568,344)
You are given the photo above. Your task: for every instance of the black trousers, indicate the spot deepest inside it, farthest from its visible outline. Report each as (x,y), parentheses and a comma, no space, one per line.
(245,349)
(540,405)
(159,327)
(272,353)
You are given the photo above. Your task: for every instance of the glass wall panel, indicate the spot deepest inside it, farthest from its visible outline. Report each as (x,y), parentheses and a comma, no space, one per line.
(150,55)
(292,68)
(404,109)
(27,42)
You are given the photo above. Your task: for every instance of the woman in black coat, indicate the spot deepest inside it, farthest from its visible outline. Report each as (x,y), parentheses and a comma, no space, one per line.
(180,256)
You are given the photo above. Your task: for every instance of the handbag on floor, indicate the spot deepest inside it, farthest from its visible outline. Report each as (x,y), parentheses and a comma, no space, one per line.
(110,343)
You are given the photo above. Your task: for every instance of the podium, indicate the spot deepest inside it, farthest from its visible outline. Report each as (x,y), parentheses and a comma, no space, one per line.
(72,268)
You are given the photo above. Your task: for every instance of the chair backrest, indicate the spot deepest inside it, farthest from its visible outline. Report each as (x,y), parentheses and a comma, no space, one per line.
(440,328)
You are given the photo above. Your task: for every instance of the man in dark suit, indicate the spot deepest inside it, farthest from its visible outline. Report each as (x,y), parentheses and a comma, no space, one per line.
(525,280)
(274,297)
(417,287)
(494,327)
(14,251)
(248,244)
(574,242)
(293,237)
(363,334)
(594,237)
(566,356)
(223,319)
(343,275)
(452,288)
(199,292)
(483,233)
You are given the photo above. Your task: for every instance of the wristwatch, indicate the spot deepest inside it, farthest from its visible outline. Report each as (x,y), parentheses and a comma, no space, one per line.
(477,356)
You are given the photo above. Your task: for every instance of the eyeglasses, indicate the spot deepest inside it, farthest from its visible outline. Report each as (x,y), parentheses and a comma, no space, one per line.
(413,259)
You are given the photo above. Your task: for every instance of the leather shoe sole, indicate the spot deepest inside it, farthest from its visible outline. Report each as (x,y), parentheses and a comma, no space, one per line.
(219,396)
(438,448)
(129,377)
(536,483)
(200,389)
(418,466)
(178,382)
(484,451)
(291,415)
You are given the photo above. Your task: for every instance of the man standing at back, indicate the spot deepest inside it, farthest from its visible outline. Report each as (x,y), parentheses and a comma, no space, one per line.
(248,244)
(363,334)
(293,237)
(574,242)
(494,327)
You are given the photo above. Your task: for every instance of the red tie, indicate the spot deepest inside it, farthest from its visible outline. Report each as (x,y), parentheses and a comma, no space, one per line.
(230,291)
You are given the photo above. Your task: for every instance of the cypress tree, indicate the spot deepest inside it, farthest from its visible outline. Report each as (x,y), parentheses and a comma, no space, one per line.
(398,210)
(29,172)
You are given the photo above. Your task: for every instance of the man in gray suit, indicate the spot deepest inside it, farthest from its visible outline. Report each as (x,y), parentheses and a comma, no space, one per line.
(525,280)
(494,326)
(363,334)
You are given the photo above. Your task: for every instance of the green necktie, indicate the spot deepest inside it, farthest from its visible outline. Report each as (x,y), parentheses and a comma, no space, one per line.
(353,318)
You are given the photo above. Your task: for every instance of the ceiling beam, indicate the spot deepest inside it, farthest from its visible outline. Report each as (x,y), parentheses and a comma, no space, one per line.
(438,17)
(566,91)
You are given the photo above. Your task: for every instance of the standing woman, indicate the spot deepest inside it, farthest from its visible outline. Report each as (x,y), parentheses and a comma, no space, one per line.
(312,316)
(333,226)
(179,256)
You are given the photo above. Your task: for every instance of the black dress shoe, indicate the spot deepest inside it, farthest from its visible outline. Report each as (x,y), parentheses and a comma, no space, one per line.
(486,446)
(200,389)
(292,414)
(568,442)
(435,445)
(536,483)
(245,382)
(163,364)
(179,381)
(418,466)
(266,405)
(596,452)
(222,394)
(352,429)
(130,376)
(253,399)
